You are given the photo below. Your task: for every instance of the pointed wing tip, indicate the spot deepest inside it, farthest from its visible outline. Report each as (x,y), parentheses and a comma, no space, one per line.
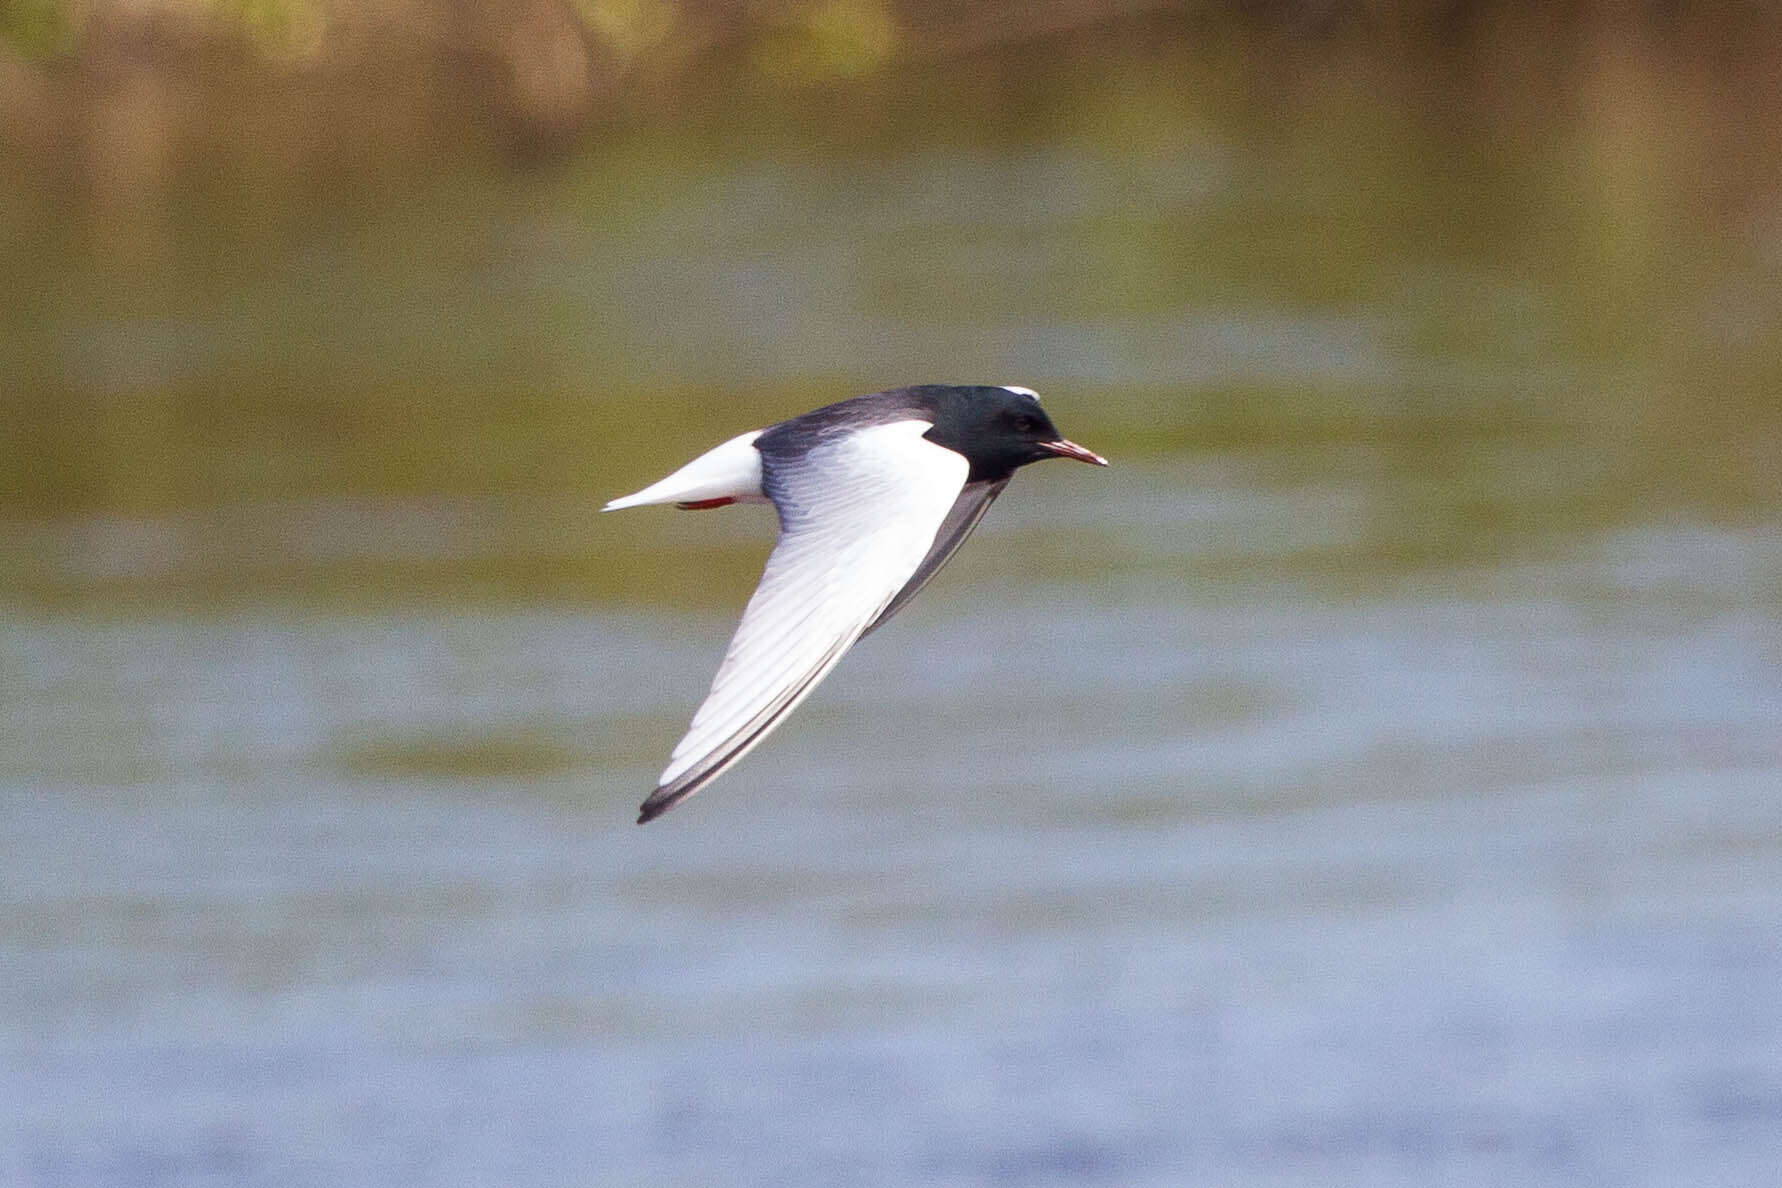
(659,802)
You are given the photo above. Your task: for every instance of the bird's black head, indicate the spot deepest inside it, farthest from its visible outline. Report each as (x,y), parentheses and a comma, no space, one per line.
(996,429)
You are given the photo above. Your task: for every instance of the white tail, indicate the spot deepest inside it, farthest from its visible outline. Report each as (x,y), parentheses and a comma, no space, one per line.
(729,471)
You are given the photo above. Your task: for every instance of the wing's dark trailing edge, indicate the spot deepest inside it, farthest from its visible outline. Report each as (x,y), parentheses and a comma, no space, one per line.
(861,517)
(974,500)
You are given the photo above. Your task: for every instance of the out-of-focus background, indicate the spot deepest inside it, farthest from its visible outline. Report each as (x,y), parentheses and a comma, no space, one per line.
(1372,779)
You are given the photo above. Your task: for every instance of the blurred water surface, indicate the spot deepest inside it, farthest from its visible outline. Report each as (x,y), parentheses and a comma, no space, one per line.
(1372,779)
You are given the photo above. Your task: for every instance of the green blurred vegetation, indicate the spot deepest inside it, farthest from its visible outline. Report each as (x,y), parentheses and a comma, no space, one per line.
(102,99)
(306,304)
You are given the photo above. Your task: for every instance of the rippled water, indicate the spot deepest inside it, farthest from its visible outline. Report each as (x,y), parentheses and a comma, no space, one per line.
(1371,779)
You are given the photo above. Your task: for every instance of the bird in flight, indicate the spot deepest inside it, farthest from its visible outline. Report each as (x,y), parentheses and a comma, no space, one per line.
(874,495)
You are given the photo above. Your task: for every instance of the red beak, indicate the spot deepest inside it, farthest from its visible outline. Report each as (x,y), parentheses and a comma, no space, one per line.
(1070,449)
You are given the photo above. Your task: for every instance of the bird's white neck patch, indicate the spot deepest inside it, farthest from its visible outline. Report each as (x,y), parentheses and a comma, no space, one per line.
(1020,391)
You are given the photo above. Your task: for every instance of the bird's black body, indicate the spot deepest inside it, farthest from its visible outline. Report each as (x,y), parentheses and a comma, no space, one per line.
(995,429)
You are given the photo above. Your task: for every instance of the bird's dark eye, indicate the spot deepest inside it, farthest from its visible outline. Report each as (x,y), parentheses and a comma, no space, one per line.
(1025,424)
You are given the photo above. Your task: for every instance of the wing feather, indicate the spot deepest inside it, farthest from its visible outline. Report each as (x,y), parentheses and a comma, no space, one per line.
(974,500)
(859,517)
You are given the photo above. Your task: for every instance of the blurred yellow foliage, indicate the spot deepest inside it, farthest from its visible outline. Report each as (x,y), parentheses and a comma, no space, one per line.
(41,28)
(283,28)
(630,28)
(830,39)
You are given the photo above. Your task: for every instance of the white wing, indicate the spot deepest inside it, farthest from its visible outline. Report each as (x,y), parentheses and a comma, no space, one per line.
(974,500)
(858,514)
